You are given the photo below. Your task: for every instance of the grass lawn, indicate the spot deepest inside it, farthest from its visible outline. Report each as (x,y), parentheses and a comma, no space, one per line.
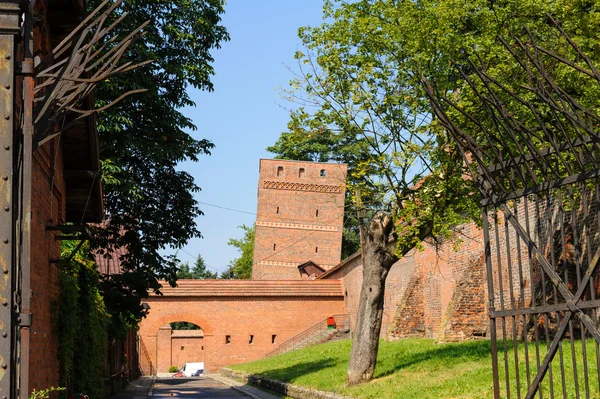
(412,368)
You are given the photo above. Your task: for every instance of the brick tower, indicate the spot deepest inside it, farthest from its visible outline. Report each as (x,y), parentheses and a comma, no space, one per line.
(299,217)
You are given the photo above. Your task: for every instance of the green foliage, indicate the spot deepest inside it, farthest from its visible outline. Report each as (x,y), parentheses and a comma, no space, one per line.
(361,101)
(142,140)
(44,393)
(241,268)
(200,270)
(83,323)
(184,325)
(173,369)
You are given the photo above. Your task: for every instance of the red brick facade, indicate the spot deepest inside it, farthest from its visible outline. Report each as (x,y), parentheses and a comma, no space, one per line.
(299,217)
(230,312)
(47,204)
(55,201)
(437,293)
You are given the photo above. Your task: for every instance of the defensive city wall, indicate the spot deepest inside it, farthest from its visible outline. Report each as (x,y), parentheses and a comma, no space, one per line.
(241,320)
(438,292)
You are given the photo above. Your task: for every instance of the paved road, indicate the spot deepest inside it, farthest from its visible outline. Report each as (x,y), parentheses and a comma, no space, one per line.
(194,388)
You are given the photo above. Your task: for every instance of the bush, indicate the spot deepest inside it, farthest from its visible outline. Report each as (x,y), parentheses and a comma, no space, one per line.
(173,369)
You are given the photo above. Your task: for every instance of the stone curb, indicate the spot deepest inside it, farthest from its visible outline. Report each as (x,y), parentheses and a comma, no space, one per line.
(245,389)
(283,388)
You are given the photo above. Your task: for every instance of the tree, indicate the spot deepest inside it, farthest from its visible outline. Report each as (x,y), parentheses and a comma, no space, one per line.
(199,272)
(361,101)
(149,202)
(241,268)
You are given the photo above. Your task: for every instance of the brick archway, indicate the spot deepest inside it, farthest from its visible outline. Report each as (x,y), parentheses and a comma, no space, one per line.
(154,325)
(241,320)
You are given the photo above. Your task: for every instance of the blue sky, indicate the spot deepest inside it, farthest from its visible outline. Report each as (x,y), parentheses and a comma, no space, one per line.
(244,115)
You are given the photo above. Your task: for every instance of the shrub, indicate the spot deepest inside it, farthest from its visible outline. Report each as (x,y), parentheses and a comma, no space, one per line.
(173,369)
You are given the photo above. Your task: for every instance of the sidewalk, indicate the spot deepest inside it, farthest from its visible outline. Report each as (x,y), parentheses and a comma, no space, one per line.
(137,389)
(249,390)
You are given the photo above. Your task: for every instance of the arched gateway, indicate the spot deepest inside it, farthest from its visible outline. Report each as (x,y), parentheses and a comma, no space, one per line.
(241,320)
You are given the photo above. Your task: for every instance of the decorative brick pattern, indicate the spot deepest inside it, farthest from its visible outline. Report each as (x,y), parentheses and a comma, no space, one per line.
(287,264)
(299,226)
(319,188)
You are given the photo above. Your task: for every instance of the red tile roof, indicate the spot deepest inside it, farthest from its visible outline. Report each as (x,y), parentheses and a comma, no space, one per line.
(245,288)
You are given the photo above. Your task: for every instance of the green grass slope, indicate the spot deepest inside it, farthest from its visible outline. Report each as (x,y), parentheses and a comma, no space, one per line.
(422,369)
(415,368)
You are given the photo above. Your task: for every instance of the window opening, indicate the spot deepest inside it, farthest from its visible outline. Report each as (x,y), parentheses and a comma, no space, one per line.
(274,246)
(273,338)
(280,171)
(317,213)
(227,339)
(277,210)
(301,172)
(251,339)
(323,173)
(316,249)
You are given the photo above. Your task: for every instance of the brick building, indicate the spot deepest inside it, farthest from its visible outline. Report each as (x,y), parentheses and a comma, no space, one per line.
(65,190)
(299,217)
(49,190)
(240,320)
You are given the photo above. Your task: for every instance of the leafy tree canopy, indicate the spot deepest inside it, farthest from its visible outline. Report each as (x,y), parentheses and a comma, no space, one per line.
(361,101)
(149,202)
(241,268)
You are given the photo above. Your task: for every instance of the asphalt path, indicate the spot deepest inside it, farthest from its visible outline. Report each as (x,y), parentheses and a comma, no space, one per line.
(191,388)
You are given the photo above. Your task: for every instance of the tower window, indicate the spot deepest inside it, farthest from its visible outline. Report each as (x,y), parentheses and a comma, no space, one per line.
(277,211)
(251,339)
(316,249)
(273,338)
(280,171)
(274,246)
(323,173)
(317,213)
(227,339)
(301,172)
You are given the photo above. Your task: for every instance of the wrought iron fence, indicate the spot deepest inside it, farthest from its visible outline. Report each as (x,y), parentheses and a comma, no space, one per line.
(534,152)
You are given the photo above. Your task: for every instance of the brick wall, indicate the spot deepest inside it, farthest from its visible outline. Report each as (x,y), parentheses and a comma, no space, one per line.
(299,217)
(48,207)
(225,308)
(187,347)
(427,292)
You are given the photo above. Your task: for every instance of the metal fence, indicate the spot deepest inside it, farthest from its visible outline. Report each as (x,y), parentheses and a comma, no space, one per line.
(319,332)
(534,154)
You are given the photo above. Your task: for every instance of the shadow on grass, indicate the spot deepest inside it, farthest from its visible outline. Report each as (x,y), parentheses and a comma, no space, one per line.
(445,354)
(290,373)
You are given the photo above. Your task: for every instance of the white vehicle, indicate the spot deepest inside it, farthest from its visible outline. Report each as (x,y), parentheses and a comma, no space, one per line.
(191,369)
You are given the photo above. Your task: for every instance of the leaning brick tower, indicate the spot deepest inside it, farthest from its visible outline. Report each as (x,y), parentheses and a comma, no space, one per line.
(299,217)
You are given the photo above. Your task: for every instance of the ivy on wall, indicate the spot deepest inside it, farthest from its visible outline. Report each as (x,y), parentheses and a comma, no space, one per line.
(83,326)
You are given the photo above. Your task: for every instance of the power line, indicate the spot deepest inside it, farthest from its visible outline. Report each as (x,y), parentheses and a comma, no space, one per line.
(214,269)
(227,209)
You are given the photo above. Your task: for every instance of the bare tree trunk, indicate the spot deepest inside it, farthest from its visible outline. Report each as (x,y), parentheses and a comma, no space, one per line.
(378,258)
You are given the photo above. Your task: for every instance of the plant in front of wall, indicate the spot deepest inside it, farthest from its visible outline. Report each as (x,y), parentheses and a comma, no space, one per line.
(83,326)
(44,393)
